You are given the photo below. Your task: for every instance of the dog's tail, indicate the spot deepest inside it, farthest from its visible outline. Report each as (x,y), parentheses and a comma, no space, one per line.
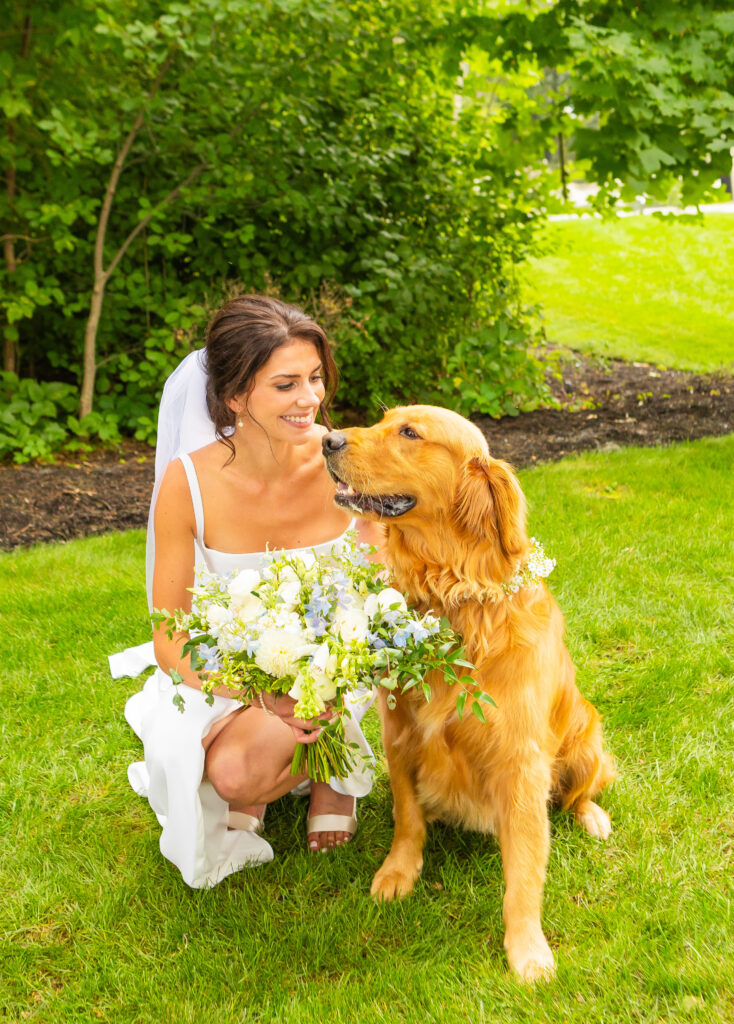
(583,767)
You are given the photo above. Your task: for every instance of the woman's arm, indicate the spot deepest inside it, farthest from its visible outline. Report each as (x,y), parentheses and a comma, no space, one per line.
(175,528)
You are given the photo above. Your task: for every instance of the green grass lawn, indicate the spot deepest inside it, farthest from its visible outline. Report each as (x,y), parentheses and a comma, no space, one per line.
(640,288)
(96,926)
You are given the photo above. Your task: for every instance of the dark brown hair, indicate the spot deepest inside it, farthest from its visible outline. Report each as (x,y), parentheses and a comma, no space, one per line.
(241,338)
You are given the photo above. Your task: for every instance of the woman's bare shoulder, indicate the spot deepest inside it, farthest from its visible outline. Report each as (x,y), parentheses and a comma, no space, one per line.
(174,496)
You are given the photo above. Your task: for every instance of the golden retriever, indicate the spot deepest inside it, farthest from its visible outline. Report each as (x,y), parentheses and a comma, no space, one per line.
(455,521)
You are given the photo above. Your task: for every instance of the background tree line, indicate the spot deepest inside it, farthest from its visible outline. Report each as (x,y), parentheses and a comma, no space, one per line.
(381,163)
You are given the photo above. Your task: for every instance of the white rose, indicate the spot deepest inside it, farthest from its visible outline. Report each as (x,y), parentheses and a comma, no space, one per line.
(289,593)
(241,586)
(249,609)
(322,687)
(352,624)
(279,652)
(287,574)
(353,599)
(217,615)
(384,601)
(325,688)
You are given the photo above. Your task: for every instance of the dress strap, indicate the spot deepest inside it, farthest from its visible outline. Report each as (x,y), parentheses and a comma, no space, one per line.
(193,480)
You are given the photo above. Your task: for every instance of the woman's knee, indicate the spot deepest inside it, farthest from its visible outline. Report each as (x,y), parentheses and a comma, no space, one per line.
(230,772)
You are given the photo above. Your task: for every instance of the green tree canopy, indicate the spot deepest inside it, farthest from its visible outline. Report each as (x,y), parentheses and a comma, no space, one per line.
(646,89)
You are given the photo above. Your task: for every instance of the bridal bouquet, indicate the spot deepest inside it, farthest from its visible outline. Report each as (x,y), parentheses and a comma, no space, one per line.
(319,628)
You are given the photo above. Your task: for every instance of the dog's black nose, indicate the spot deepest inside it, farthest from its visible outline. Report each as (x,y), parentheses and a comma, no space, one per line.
(333,442)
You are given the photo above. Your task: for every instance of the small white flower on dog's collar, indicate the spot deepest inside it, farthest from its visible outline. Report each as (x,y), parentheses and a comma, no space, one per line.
(537,566)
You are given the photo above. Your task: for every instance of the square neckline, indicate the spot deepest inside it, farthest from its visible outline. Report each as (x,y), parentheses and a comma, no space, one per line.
(197,501)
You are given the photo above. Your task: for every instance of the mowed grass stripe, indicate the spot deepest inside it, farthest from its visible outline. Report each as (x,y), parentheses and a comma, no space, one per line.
(640,288)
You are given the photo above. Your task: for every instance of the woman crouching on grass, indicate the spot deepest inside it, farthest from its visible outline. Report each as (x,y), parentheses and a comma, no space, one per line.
(260,484)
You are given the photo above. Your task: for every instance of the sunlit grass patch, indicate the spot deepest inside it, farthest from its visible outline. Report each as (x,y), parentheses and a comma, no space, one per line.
(640,288)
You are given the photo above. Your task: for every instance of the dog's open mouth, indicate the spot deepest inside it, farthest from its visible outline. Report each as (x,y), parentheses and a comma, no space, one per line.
(386,505)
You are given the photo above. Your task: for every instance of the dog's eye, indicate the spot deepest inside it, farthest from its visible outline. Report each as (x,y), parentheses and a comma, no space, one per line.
(410,434)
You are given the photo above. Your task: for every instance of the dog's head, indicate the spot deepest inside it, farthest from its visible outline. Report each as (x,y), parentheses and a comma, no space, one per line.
(428,470)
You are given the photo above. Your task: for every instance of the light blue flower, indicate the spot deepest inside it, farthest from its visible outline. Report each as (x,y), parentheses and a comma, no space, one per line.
(210,657)
(319,605)
(400,637)
(317,623)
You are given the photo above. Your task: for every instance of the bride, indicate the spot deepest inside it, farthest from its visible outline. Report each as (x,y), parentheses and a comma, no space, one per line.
(261,483)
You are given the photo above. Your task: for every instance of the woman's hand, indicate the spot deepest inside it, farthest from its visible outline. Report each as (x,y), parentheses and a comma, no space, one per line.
(305,731)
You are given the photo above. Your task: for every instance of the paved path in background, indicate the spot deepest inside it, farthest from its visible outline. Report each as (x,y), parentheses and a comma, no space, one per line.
(579,195)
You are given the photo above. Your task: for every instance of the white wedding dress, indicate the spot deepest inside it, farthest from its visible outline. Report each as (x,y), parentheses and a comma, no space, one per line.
(192,816)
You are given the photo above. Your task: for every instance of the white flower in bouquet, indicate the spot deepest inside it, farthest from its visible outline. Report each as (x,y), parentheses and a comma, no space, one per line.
(249,609)
(230,639)
(241,587)
(313,681)
(287,620)
(279,651)
(217,616)
(384,601)
(320,657)
(352,624)
(289,593)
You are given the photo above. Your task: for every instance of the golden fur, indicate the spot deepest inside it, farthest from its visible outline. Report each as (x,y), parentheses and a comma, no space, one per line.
(542,742)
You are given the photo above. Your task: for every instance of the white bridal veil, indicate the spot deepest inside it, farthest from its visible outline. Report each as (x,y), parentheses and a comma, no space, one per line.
(184,425)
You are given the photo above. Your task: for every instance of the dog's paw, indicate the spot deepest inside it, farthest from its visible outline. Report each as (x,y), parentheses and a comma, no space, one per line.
(393,882)
(532,960)
(596,821)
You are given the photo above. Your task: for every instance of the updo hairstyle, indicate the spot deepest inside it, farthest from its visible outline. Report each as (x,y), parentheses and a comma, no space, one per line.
(240,339)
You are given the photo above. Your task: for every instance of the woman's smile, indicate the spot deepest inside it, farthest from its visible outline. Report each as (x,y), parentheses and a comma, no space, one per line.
(301,421)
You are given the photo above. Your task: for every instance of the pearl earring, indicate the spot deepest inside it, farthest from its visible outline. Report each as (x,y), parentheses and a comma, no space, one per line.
(240,423)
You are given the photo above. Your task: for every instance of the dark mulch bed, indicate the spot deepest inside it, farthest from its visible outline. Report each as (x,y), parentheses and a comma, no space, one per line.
(606,406)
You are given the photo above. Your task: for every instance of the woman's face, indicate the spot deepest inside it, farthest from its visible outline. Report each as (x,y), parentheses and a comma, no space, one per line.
(286,394)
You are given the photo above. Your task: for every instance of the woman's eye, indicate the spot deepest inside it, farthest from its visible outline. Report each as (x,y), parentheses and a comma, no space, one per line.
(317,377)
(283,387)
(409,433)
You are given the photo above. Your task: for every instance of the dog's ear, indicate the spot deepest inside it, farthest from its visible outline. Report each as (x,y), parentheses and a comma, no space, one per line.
(489,500)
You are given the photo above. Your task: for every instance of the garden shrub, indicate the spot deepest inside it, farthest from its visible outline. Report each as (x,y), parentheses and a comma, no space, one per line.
(362,177)
(37,419)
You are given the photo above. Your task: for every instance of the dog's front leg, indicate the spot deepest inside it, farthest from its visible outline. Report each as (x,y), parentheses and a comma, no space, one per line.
(403,864)
(524,835)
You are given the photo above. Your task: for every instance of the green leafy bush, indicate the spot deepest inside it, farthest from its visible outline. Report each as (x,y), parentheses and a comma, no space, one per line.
(369,174)
(493,371)
(37,419)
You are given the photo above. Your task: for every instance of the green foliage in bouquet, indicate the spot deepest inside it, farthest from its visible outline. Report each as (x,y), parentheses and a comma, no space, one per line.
(322,629)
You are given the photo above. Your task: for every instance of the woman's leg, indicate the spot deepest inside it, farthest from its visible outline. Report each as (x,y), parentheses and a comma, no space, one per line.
(248,761)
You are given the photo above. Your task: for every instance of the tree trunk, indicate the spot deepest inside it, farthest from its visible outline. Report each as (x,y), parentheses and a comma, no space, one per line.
(101,275)
(89,371)
(9,364)
(9,361)
(10,351)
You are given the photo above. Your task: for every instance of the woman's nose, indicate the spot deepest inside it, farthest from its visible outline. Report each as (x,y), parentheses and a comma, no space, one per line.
(308,397)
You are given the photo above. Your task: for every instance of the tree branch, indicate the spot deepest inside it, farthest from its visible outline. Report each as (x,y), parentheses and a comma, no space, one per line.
(24,238)
(173,194)
(104,216)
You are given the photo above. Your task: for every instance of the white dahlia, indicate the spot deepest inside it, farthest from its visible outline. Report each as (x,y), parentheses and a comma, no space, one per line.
(279,652)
